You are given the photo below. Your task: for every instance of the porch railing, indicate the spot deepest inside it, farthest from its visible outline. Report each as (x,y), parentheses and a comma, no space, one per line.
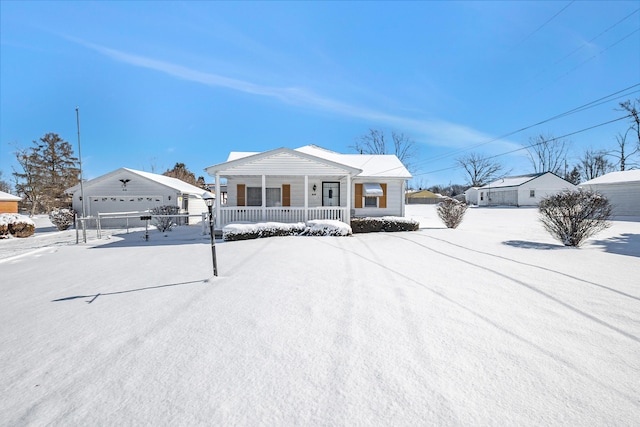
(278,214)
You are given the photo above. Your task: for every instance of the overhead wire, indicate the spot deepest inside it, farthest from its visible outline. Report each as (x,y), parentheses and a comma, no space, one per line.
(530,145)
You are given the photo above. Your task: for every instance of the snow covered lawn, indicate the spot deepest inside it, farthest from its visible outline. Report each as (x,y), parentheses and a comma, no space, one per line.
(493,323)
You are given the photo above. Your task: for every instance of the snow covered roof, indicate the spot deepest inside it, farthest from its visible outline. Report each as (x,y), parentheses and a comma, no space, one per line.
(370,165)
(167,181)
(619,177)
(513,181)
(6,197)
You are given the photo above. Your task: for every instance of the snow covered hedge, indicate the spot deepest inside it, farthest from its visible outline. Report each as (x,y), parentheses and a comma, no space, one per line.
(385,223)
(16,225)
(62,218)
(246,231)
(164,223)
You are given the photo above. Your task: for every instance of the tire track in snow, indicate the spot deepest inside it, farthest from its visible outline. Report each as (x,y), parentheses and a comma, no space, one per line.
(556,358)
(532,288)
(438,404)
(342,344)
(525,264)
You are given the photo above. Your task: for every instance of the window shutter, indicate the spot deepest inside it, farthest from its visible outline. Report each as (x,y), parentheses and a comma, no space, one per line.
(286,194)
(358,196)
(383,200)
(241,200)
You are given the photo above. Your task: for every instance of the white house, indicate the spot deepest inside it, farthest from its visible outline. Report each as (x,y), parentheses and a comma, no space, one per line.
(129,190)
(523,190)
(286,185)
(622,189)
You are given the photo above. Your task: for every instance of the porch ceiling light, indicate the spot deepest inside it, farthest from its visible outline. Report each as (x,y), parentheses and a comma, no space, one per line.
(373,190)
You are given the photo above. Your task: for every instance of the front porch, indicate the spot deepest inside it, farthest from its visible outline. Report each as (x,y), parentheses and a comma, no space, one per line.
(230,214)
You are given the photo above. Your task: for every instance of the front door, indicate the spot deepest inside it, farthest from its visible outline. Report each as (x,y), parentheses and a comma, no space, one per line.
(330,194)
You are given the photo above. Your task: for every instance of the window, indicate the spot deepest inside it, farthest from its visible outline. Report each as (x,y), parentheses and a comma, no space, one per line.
(273,197)
(482,195)
(371,202)
(254,196)
(532,193)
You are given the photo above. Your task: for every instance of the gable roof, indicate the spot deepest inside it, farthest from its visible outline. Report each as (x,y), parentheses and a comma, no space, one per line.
(513,181)
(285,160)
(360,165)
(6,197)
(167,181)
(619,177)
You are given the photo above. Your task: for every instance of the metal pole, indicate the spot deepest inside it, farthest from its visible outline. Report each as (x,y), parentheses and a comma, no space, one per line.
(213,241)
(84,227)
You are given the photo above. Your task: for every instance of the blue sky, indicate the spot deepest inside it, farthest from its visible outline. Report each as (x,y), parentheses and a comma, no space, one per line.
(160,83)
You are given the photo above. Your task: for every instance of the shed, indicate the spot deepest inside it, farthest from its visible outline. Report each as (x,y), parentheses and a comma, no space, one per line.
(8,202)
(522,190)
(622,189)
(132,191)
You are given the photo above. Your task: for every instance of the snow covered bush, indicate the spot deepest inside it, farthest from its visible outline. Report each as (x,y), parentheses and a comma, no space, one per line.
(572,216)
(165,223)
(62,218)
(326,227)
(241,231)
(246,231)
(16,225)
(385,223)
(451,212)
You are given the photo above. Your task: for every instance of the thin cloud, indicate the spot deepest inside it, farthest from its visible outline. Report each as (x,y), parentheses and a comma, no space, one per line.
(433,132)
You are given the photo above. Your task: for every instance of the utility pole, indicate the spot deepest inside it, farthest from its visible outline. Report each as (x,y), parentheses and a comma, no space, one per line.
(84,228)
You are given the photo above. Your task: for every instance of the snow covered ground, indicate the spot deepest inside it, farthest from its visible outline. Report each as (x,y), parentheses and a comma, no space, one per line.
(493,323)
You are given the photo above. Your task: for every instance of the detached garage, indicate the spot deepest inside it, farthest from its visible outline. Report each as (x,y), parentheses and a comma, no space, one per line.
(621,188)
(133,191)
(523,190)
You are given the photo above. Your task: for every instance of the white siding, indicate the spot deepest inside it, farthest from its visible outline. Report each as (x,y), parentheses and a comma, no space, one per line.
(284,164)
(395,199)
(624,197)
(543,186)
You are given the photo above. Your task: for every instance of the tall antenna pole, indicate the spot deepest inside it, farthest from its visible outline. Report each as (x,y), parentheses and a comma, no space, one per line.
(84,229)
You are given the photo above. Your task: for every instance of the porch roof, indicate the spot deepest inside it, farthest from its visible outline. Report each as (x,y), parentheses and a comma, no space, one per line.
(281,161)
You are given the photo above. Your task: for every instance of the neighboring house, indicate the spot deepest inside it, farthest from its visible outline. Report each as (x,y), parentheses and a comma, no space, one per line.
(133,191)
(622,189)
(423,197)
(286,185)
(523,190)
(471,195)
(8,202)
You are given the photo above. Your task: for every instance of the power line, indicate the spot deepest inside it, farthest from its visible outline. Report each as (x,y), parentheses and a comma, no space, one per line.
(530,145)
(541,26)
(583,107)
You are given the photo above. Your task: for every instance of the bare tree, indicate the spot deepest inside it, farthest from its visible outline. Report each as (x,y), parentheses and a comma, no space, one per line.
(480,170)
(624,154)
(4,185)
(594,164)
(375,142)
(632,109)
(547,154)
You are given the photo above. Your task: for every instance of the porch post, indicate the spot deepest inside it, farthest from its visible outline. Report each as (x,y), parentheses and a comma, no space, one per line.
(306,198)
(264,197)
(218,200)
(348,216)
